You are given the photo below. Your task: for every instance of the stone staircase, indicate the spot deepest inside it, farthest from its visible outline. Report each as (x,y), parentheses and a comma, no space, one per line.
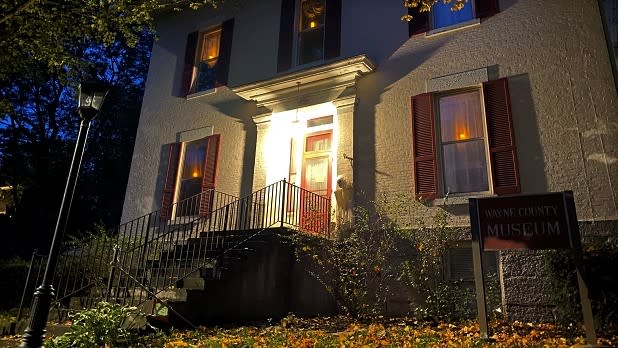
(227,261)
(229,254)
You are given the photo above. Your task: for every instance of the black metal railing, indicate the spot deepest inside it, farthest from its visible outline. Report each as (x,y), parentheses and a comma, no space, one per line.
(143,257)
(34,277)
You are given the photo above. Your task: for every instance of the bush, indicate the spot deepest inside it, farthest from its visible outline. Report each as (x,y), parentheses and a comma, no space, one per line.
(599,260)
(12,279)
(102,326)
(398,240)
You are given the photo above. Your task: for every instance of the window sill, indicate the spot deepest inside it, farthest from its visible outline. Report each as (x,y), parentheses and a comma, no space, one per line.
(455,27)
(307,66)
(201,93)
(459,199)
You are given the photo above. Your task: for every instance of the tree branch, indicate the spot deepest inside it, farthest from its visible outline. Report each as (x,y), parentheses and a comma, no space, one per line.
(17,10)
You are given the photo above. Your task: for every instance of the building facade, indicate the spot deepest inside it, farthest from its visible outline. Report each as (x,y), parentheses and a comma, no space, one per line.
(502,97)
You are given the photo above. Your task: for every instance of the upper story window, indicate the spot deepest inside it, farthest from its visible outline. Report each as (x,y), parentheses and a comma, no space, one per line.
(460,138)
(444,16)
(441,15)
(309,31)
(209,54)
(207,58)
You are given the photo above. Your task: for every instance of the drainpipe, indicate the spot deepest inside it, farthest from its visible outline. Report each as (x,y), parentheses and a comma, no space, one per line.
(608,41)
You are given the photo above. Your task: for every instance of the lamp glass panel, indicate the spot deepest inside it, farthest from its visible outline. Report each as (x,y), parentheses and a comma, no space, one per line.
(85,99)
(97,100)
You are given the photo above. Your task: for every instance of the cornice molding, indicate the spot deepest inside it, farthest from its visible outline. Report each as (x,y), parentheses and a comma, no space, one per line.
(310,86)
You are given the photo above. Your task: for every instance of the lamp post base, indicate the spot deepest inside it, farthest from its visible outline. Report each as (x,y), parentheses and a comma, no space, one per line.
(35,333)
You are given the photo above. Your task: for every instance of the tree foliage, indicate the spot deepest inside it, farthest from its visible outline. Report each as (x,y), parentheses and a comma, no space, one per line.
(46,49)
(37,133)
(48,35)
(425,6)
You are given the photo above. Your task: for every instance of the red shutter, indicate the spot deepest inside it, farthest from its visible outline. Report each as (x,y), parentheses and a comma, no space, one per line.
(169,187)
(210,174)
(286,35)
(225,53)
(332,40)
(423,146)
(486,8)
(189,65)
(502,150)
(419,23)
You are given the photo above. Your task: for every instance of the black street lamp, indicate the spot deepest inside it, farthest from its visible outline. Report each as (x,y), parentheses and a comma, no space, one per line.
(91,97)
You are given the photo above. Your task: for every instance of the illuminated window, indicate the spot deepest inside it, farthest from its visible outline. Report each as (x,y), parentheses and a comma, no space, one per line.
(459,137)
(209,53)
(443,15)
(311,31)
(192,169)
(462,143)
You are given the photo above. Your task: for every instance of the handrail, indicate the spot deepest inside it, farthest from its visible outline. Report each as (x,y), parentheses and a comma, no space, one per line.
(158,253)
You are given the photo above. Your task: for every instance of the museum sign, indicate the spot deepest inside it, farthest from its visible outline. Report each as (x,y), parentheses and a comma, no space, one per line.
(524,222)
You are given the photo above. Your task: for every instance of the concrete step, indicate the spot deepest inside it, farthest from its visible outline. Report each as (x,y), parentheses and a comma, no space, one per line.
(194,281)
(173,295)
(184,264)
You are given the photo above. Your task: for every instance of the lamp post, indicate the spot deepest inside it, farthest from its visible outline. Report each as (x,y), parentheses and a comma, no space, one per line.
(91,97)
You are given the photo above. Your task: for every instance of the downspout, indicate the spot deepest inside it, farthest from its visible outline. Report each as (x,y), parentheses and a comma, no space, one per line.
(608,42)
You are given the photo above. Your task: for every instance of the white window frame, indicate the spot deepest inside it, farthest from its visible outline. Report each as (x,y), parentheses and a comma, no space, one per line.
(183,149)
(442,189)
(198,57)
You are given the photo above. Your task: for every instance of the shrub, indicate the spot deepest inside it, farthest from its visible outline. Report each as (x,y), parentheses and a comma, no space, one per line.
(599,259)
(397,239)
(101,326)
(12,278)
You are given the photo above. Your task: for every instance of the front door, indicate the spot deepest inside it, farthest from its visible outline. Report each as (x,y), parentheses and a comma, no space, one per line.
(317,181)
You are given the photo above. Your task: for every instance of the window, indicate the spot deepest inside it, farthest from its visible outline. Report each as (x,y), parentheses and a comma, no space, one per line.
(459,265)
(191,170)
(209,53)
(311,31)
(462,143)
(441,15)
(452,152)
(207,58)
(312,27)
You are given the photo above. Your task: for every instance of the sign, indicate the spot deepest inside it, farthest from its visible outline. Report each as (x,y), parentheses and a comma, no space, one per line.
(523,222)
(543,221)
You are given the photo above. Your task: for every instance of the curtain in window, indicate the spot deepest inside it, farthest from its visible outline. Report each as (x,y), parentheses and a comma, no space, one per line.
(463,146)
(465,167)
